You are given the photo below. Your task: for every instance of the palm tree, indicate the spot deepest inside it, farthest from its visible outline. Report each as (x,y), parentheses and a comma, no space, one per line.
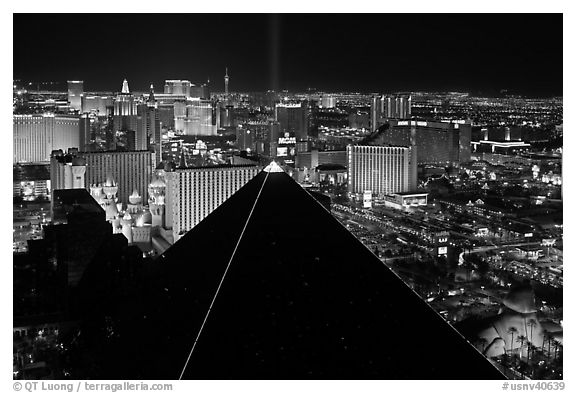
(544,333)
(521,339)
(512,331)
(549,337)
(556,345)
(531,323)
(550,341)
(530,350)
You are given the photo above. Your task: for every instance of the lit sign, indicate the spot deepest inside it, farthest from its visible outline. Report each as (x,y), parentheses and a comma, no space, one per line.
(403,123)
(367,199)
(287,141)
(422,123)
(282,151)
(442,250)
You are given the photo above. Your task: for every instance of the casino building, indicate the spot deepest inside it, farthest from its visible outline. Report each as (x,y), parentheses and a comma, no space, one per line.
(380,171)
(193,193)
(435,142)
(35,136)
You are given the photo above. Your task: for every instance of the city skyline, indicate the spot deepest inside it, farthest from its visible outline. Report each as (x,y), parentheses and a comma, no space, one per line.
(350,196)
(334,52)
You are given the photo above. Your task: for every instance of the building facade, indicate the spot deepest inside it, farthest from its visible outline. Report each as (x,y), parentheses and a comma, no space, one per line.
(67,171)
(375,112)
(177,87)
(379,170)
(153,127)
(124,104)
(436,142)
(314,158)
(192,194)
(75,93)
(96,104)
(132,170)
(397,106)
(198,120)
(328,101)
(292,119)
(35,136)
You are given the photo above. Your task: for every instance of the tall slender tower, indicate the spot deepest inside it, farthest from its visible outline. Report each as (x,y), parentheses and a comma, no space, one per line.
(375,112)
(125,89)
(151,98)
(75,94)
(226,79)
(153,130)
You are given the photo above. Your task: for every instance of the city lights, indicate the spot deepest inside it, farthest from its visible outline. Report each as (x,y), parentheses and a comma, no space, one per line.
(288,218)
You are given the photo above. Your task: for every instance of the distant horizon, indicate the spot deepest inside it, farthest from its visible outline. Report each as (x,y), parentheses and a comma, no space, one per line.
(159,88)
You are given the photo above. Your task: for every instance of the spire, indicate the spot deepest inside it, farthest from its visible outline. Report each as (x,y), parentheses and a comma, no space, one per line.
(125,89)
(151,98)
(226,79)
(182,161)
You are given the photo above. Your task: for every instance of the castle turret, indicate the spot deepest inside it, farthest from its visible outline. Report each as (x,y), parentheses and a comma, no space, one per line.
(134,202)
(157,193)
(110,188)
(157,212)
(111,209)
(126,223)
(96,192)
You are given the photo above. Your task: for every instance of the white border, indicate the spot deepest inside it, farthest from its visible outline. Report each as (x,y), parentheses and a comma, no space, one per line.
(421,6)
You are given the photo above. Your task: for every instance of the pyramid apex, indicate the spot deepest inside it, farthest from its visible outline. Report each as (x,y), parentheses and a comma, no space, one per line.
(273,167)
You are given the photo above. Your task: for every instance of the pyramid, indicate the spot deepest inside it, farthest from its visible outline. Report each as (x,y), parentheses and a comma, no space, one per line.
(271,286)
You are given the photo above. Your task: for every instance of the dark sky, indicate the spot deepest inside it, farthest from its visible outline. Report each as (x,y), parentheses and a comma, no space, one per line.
(479,53)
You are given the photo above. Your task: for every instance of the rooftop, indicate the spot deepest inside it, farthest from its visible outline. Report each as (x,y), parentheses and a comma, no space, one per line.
(270,285)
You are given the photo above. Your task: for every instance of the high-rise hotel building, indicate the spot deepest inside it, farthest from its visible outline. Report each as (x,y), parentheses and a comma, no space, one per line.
(124,104)
(35,136)
(125,110)
(193,193)
(75,93)
(177,87)
(380,170)
(132,170)
(396,106)
(292,119)
(438,142)
(148,130)
(198,120)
